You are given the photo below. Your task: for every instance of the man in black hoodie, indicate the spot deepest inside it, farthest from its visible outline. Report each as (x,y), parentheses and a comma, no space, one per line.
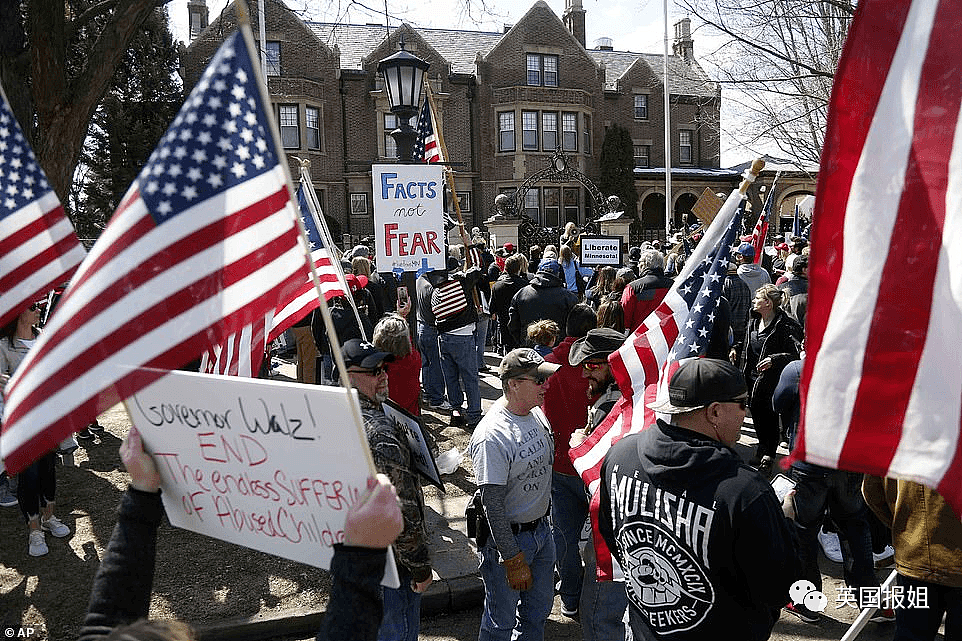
(703,543)
(545,298)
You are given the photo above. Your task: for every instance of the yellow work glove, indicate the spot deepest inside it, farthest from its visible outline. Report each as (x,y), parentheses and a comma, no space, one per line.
(519,574)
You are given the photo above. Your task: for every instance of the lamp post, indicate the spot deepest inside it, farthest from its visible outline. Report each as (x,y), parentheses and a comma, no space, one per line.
(403,75)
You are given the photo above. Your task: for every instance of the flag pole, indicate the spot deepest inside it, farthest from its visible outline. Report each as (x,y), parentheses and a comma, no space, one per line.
(448,173)
(244,22)
(667,101)
(315,206)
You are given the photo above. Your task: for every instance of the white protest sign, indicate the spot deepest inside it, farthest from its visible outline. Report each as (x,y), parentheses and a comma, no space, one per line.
(408,217)
(423,461)
(269,465)
(601,250)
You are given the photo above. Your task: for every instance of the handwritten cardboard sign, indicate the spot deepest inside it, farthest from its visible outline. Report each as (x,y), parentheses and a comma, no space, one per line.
(269,465)
(424,462)
(408,217)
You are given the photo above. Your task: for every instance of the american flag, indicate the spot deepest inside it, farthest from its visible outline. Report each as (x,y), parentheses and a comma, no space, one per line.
(882,382)
(38,247)
(241,353)
(426,146)
(679,328)
(328,269)
(203,242)
(761,227)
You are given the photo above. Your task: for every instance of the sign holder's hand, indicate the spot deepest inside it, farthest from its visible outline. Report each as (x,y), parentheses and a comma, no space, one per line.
(375,520)
(140,465)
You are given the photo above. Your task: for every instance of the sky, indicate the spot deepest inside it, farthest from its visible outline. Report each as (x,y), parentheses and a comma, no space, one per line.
(633,25)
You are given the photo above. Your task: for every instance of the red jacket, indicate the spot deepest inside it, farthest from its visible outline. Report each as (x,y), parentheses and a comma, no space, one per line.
(403,385)
(566,404)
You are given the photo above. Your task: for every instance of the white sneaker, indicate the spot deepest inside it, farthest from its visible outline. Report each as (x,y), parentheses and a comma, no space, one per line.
(830,545)
(55,527)
(38,546)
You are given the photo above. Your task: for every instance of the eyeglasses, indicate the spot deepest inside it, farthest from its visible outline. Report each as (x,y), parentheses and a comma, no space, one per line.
(593,365)
(377,371)
(741,402)
(35,307)
(540,380)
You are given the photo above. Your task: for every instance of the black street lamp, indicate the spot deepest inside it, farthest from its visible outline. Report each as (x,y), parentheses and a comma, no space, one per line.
(403,75)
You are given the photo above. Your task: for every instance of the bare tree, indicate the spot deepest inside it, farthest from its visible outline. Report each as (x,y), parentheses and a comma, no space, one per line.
(779,57)
(57,58)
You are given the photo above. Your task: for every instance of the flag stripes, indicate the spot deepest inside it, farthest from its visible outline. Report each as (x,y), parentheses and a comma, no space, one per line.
(882,386)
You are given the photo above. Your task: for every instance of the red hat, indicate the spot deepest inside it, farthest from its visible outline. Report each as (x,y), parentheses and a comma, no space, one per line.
(781,247)
(509,247)
(356,282)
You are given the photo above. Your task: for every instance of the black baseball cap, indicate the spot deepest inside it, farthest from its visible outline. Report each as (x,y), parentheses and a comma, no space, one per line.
(698,383)
(362,354)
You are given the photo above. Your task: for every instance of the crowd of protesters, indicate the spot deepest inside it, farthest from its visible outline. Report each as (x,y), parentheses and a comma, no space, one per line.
(554,323)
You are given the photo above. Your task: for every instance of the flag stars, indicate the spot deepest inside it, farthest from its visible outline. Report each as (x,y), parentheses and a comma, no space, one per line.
(189,192)
(152,187)
(220,86)
(215,181)
(194,174)
(224,144)
(219,161)
(238,92)
(234,109)
(243,153)
(204,138)
(241,76)
(169,189)
(164,207)
(209,121)
(258,161)
(247,135)
(199,156)
(239,170)
(180,152)
(214,102)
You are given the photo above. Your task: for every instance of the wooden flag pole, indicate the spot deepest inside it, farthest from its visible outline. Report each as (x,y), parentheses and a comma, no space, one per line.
(448,173)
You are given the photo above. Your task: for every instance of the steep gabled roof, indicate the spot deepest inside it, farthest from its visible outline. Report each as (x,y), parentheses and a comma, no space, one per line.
(683,79)
(355,42)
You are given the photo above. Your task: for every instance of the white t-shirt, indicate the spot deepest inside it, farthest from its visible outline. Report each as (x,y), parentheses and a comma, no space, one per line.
(517,452)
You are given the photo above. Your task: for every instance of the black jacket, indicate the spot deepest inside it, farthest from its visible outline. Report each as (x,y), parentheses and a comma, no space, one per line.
(782,344)
(545,298)
(700,536)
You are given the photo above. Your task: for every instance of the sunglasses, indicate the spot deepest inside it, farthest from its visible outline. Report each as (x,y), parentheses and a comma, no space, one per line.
(540,380)
(377,371)
(592,366)
(35,307)
(741,402)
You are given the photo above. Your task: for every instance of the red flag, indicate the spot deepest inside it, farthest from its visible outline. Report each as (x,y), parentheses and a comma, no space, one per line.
(38,247)
(204,241)
(882,382)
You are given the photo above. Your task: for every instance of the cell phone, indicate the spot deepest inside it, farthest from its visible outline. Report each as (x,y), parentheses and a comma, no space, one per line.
(402,295)
(782,486)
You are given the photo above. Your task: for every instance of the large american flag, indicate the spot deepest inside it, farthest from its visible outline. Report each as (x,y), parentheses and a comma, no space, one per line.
(882,382)
(679,328)
(242,353)
(427,147)
(38,246)
(203,242)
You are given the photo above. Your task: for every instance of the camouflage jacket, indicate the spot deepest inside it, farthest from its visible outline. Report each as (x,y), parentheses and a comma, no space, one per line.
(392,456)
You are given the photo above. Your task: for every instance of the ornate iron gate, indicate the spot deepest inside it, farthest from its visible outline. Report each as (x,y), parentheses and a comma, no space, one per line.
(558,171)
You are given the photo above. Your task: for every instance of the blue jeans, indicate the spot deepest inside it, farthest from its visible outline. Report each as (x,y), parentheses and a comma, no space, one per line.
(921,624)
(402,612)
(432,379)
(818,488)
(459,363)
(507,611)
(569,509)
(481,336)
(603,604)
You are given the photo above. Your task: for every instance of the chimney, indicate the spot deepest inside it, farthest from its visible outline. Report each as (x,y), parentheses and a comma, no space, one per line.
(197,17)
(507,27)
(574,19)
(684,46)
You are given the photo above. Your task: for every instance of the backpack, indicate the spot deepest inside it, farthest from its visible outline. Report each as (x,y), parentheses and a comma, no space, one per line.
(448,300)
